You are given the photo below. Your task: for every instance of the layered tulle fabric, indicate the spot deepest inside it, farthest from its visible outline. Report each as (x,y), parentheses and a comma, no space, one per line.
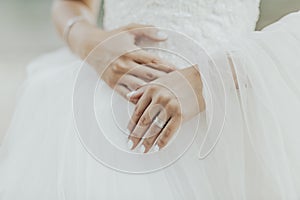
(247,145)
(260,137)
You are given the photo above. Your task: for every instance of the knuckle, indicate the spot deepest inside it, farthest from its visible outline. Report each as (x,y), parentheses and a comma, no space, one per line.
(155,60)
(161,143)
(136,85)
(150,76)
(163,98)
(154,131)
(137,113)
(147,142)
(144,121)
(119,67)
(167,134)
(136,136)
(115,68)
(151,89)
(173,107)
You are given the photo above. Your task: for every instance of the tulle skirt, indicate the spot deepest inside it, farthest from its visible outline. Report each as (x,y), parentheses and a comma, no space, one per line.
(245,146)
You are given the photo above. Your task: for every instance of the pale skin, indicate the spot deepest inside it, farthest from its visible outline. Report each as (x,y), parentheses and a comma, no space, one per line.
(157,83)
(131,70)
(164,98)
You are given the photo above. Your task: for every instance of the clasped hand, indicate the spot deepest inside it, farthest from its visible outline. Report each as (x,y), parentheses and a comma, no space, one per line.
(164,97)
(162,106)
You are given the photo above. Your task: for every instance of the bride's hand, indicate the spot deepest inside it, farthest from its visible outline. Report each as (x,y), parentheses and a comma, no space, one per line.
(132,67)
(163,104)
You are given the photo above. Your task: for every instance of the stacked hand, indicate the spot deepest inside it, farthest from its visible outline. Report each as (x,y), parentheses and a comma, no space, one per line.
(120,62)
(164,97)
(162,106)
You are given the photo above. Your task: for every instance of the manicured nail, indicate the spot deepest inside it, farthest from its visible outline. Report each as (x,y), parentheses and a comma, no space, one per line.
(130,144)
(127,132)
(143,84)
(156,148)
(130,94)
(162,34)
(142,149)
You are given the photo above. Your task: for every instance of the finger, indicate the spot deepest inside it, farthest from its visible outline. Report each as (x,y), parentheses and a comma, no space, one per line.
(122,90)
(151,33)
(126,93)
(154,130)
(144,72)
(146,58)
(142,104)
(155,35)
(138,134)
(136,95)
(133,26)
(162,65)
(120,67)
(168,132)
(147,31)
(131,82)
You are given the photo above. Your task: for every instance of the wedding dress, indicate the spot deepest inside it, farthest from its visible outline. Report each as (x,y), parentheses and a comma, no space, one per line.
(246,145)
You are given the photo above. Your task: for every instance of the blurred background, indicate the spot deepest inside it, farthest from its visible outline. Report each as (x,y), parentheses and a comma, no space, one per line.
(27,32)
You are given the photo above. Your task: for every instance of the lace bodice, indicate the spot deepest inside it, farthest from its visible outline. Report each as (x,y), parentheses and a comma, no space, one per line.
(208,21)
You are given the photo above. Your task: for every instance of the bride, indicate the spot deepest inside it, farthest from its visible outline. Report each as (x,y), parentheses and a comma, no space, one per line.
(167,100)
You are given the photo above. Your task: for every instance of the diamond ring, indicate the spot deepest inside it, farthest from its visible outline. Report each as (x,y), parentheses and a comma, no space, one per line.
(158,122)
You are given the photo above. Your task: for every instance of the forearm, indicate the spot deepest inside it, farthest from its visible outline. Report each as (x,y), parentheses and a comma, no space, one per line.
(193,76)
(63,11)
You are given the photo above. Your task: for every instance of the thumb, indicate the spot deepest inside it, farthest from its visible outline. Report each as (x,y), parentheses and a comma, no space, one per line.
(154,34)
(136,94)
(147,31)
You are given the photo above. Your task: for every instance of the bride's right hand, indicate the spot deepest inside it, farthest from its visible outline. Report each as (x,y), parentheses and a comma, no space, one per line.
(123,65)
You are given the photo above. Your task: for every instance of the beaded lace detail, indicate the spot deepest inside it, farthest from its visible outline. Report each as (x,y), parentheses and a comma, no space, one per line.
(208,21)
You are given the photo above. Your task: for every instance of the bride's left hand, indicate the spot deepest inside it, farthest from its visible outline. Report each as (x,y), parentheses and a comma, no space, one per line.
(162,106)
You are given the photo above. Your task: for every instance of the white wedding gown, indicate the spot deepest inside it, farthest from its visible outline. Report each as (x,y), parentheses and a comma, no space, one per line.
(251,146)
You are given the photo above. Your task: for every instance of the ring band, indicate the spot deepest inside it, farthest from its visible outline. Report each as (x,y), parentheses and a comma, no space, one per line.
(158,122)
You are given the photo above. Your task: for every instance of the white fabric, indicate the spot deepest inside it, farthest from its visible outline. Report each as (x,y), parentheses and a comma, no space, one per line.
(208,21)
(256,156)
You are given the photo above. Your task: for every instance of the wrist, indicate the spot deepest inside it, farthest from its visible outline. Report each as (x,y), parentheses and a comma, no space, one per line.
(83,37)
(193,76)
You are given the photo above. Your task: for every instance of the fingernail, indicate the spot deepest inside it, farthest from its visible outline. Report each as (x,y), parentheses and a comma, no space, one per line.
(127,132)
(162,35)
(156,148)
(130,94)
(130,127)
(143,84)
(142,149)
(130,144)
